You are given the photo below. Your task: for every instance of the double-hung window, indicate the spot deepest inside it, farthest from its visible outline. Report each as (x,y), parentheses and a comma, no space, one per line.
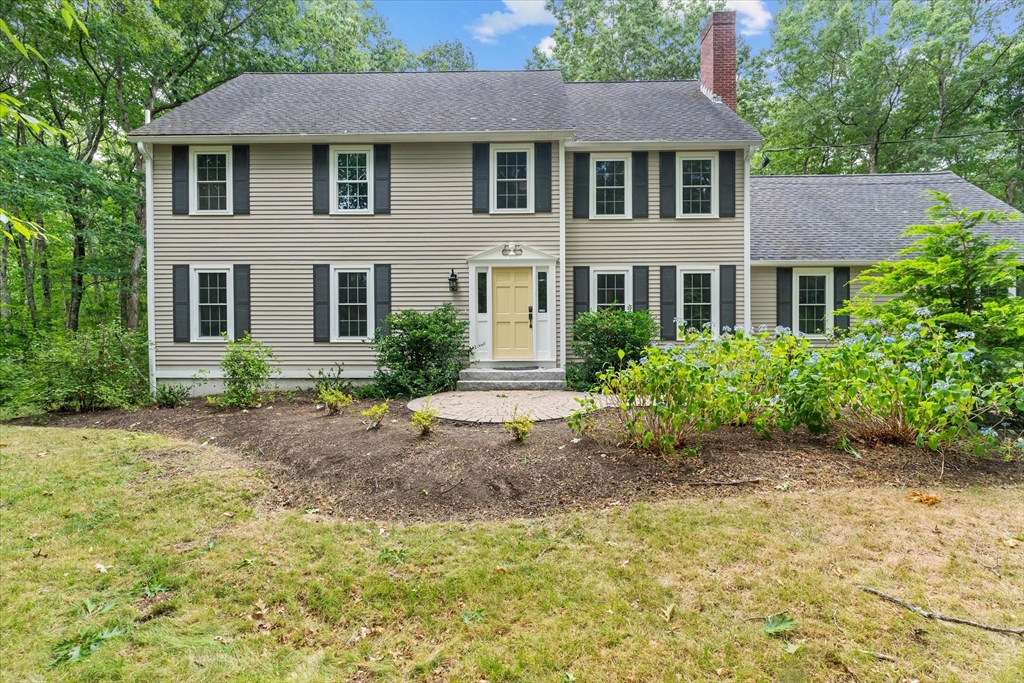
(512,178)
(813,288)
(353,302)
(610,289)
(210,173)
(698,299)
(697,185)
(211,296)
(351,179)
(609,188)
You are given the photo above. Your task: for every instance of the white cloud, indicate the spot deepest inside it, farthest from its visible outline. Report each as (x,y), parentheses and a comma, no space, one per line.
(547,46)
(753,15)
(517,14)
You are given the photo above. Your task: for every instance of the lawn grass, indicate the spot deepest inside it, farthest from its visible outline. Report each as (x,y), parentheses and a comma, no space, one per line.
(260,594)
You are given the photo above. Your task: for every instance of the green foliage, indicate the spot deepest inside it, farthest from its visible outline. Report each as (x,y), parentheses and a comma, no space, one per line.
(334,400)
(423,352)
(93,370)
(518,426)
(331,380)
(172,395)
(375,414)
(779,623)
(83,644)
(247,372)
(447,55)
(426,418)
(598,336)
(393,555)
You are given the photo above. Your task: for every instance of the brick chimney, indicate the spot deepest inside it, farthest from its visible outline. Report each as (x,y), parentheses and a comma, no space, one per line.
(718,57)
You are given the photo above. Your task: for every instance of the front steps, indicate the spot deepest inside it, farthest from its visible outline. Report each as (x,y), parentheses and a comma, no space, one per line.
(511,379)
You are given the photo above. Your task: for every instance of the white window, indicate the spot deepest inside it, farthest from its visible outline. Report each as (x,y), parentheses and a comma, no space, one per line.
(351,303)
(697,185)
(211,296)
(351,179)
(610,183)
(210,177)
(611,288)
(698,299)
(511,179)
(812,300)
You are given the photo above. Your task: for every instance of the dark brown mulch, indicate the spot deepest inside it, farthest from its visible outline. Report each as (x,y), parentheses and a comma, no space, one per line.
(477,471)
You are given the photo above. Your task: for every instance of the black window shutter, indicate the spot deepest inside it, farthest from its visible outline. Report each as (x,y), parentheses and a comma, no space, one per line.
(481,177)
(382,178)
(321,181)
(242,298)
(381,296)
(841,281)
(726,297)
(669,327)
(640,184)
(321,303)
(641,288)
(580,290)
(784,297)
(180,283)
(581,186)
(240,179)
(542,177)
(179,180)
(727,184)
(667,185)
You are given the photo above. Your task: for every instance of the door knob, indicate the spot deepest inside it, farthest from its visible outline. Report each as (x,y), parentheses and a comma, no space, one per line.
(530,309)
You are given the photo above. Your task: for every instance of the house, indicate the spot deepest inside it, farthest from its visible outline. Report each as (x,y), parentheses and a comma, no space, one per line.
(306,207)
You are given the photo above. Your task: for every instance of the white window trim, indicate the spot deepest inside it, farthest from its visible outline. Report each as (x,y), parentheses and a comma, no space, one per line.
(713,157)
(594,158)
(494,177)
(370,302)
(335,150)
(829,274)
(193,181)
(612,270)
(193,297)
(713,270)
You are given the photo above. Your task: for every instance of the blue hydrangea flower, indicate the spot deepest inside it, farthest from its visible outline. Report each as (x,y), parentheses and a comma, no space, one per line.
(888,340)
(814,359)
(923,312)
(793,374)
(762,328)
(706,326)
(912,366)
(781,329)
(726,328)
(967,356)
(914,327)
(988,431)
(940,385)
(965,334)
(909,336)
(643,361)
(872,322)
(875,355)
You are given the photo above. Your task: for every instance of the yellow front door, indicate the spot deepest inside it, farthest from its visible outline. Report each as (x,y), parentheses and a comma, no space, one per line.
(513,312)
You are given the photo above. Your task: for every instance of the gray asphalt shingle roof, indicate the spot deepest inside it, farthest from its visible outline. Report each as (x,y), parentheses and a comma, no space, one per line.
(853,217)
(368,103)
(653,111)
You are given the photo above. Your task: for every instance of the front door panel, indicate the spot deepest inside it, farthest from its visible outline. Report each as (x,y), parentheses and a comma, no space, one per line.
(513,299)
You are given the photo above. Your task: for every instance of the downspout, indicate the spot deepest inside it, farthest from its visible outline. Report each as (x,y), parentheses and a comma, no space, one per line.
(147,152)
(561,252)
(749,153)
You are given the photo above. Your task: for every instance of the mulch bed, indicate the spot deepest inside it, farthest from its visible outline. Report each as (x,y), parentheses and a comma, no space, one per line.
(466,472)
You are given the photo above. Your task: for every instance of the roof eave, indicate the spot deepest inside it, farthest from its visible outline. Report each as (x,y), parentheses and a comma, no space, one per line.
(315,138)
(641,145)
(811,263)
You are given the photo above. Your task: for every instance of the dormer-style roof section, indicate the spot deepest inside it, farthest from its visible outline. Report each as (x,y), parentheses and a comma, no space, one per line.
(855,218)
(371,104)
(653,111)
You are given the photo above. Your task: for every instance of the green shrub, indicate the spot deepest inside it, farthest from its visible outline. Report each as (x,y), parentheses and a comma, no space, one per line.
(334,400)
(423,352)
(426,418)
(330,380)
(247,372)
(518,426)
(92,370)
(598,337)
(375,414)
(171,395)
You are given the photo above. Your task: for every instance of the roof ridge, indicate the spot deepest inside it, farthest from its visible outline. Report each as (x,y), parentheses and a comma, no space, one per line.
(852,175)
(394,73)
(656,80)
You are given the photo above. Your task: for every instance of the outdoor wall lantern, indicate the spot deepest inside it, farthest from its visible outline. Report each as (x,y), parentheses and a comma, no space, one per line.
(453,281)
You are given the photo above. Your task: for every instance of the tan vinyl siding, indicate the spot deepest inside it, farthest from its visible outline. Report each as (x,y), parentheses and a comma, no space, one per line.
(655,241)
(430,230)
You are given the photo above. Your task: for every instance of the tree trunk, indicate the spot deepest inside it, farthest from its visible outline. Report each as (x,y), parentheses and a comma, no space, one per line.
(30,281)
(5,293)
(77,274)
(44,271)
(135,278)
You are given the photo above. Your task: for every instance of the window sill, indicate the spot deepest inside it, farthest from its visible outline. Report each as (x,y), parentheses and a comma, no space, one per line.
(351,340)
(605,217)
(697,216)
(351,213)
(500,212)
(197,212)
(209,340)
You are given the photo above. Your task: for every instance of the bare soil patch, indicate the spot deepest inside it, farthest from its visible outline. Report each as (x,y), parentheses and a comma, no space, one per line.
(466,472)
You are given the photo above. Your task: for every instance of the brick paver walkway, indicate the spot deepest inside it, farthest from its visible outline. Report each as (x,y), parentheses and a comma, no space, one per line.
(497,406)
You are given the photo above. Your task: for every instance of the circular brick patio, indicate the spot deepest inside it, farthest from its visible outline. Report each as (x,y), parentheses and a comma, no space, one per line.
(498,406)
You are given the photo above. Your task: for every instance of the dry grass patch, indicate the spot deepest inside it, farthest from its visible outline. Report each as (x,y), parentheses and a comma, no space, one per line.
(663,591)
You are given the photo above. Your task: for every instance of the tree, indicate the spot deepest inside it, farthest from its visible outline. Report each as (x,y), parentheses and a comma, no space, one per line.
(447,55)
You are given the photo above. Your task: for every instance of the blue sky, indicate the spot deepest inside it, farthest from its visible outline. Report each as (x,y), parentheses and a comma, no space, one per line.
(501,33)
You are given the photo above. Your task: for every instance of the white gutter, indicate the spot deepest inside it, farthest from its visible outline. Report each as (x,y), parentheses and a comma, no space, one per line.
(468,136)
(561,252)
(652,145)
(810,264)
(746,236)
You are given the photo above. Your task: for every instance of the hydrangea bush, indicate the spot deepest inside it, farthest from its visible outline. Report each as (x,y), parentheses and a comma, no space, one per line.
(917,385)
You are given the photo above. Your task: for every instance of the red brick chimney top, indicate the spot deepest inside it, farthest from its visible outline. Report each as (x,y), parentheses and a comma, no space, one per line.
(718,57)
